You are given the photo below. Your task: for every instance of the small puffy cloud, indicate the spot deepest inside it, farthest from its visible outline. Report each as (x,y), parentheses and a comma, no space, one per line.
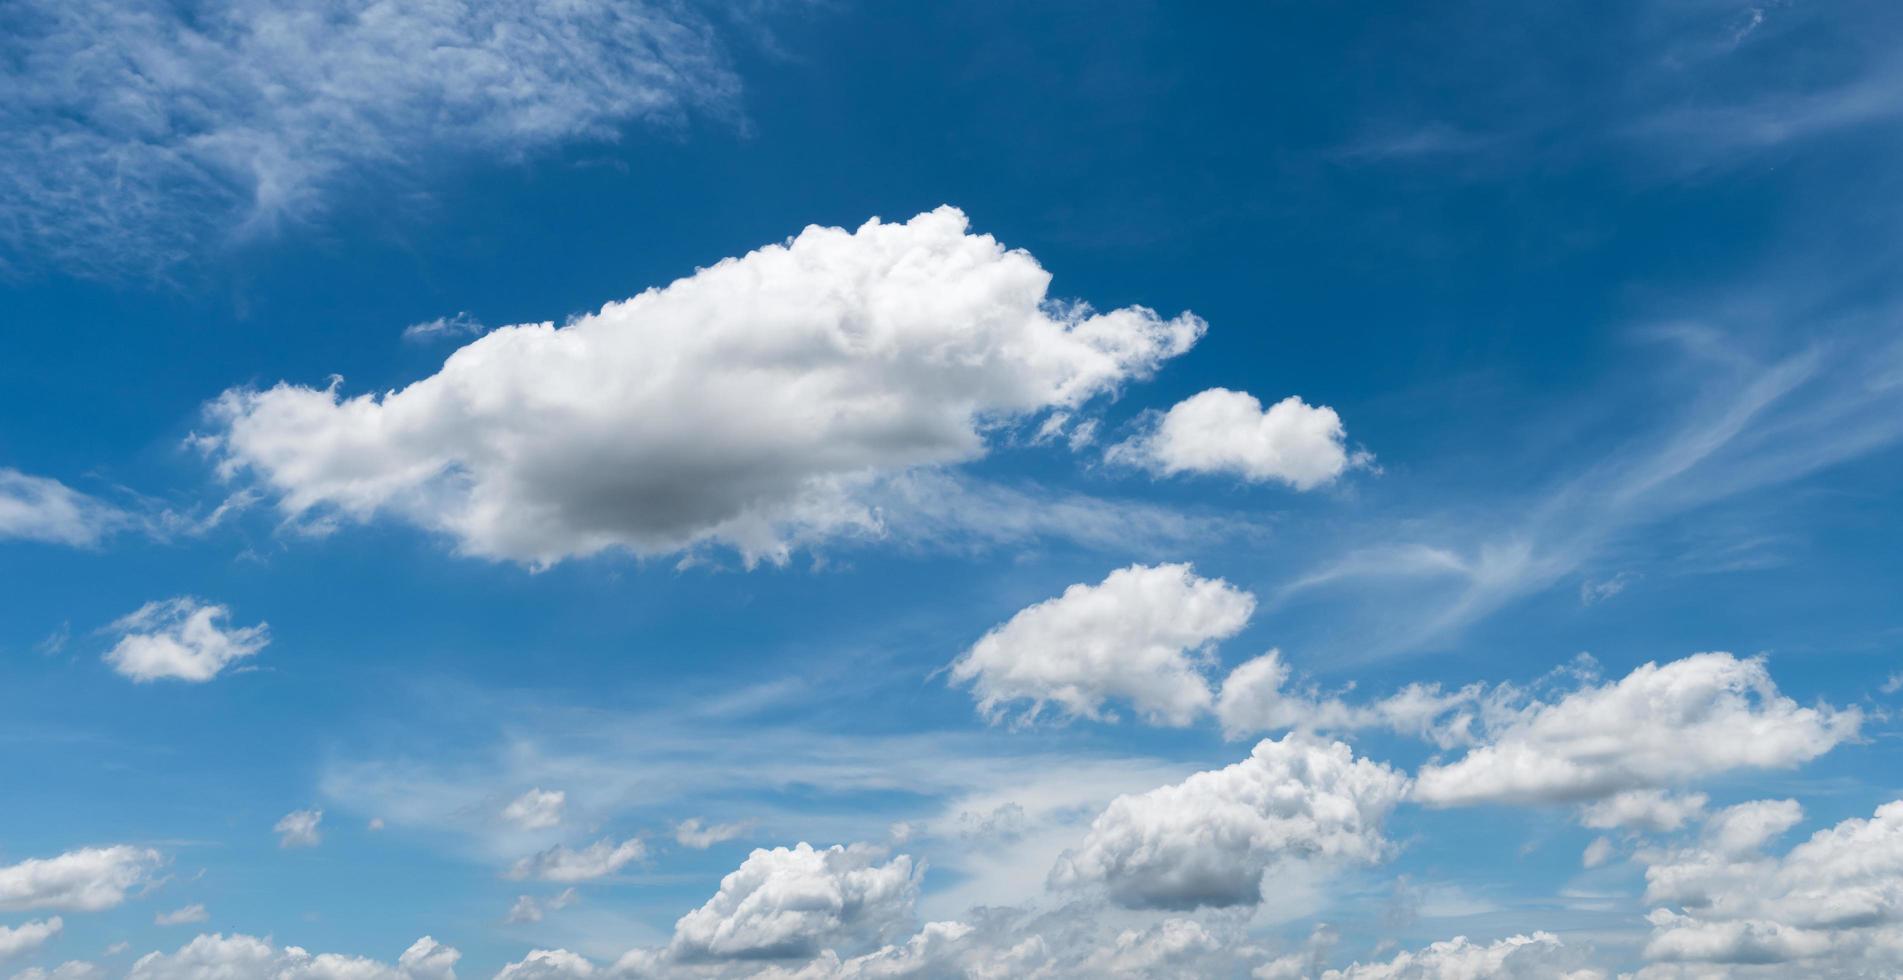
(181,639)
(793,902)
(1257,697)
(598,860)
(182,916)
(692,833)
(1223,431)
(37,508)
(748,406)
(27,936)
(85,880)
(528,908)
(298,828)
(1209,840)
(548,964)
(1598,852)
(1142,635)
(1540,956)
(537,809)
(1831,906)
(1706,714)
(1643,809)
(242,957)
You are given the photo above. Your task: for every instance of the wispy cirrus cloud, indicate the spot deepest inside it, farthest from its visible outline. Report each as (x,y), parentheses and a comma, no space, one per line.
(38,508)
(1732,422)
(144,133)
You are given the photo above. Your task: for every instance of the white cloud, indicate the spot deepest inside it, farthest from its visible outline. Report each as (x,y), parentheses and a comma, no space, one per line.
(548,964)
(1223,431)
(1257,697)
(1831,906)
(85,880)
(528,908)
(1643,809)
(1747,827)
(1072,942)
(181,639)
(1703,715)
(37,508)
(947,949)
(144,134)
(793,902)
(299,828)
(1171,948)
(27,936)
(1893,683)
(747,405)
(1209,840)
(560,863)
(692,833)
(1598,852)
(242,957)
(181,916)
(537,809)
(460,325)
(1141,635)
(1540,956)
(69,970)
(1417,581)
(1592,591)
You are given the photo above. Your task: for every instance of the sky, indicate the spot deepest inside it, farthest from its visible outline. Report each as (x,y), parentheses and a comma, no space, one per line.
(548,490)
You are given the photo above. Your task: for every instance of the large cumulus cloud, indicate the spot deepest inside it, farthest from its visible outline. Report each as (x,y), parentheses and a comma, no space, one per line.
(749,404)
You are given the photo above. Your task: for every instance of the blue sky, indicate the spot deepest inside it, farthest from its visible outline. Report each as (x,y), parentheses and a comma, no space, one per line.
(449,449)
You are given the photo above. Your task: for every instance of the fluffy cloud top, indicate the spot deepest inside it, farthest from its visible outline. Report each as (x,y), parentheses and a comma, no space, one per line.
(15,940)
(1540,956)
(598,860)
(181,639)
(1223,431)
(746,404)
(220,957)
(548,964)
(1140,636)
(85,880)
(793,902)
(1706,714)
(1832,906)
(299,828)
(143,132)
(1209,840)
(537,809)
